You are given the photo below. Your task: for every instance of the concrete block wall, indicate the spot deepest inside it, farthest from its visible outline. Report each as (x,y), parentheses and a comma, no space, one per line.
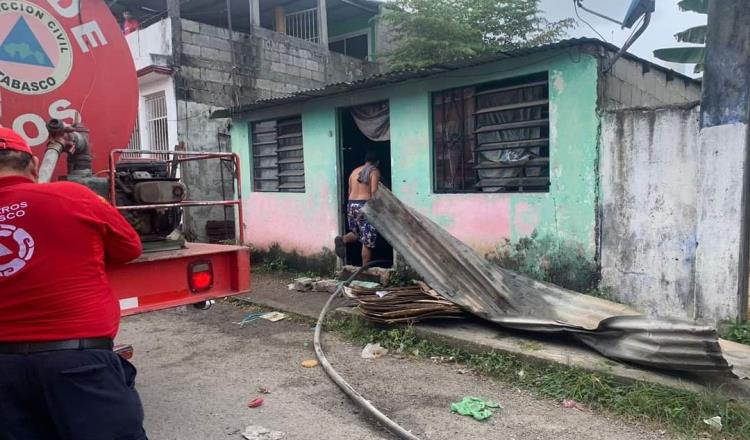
(628,85)
(286,65)
(266,64)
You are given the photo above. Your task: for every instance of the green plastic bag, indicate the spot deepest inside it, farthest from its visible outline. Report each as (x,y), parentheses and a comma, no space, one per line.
(475,407)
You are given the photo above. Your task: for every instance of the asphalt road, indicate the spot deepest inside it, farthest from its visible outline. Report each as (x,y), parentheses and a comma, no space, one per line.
(199,369)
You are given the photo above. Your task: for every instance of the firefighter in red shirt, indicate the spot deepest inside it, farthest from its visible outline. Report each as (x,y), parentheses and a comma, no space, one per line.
(59,378)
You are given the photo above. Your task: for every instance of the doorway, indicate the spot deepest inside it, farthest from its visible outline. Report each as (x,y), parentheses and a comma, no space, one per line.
(353,146)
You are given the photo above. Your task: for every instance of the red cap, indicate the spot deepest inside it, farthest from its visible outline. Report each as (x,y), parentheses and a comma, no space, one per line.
(10,140)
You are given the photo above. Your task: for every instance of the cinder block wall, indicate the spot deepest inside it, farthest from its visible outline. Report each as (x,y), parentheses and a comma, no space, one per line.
(632,84)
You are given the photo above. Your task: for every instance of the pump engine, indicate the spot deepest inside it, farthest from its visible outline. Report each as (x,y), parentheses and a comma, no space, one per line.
(138,182)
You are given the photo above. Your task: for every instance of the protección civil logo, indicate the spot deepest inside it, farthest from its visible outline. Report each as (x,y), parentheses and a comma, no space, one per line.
(35,53)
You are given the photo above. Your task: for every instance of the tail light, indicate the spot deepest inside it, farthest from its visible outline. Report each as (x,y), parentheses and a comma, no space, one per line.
(200,276)
(124,351)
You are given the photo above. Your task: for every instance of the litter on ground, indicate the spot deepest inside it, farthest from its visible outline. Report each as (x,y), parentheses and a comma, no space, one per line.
(250,317)
(274,316)
(373,351)
(255,432)
(475,407)
(255,403)
(310,363)
(714,423)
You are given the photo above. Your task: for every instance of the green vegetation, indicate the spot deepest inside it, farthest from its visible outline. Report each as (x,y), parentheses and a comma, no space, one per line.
(737,332)
(679,410)
(549,259)
(276,259)
(697,35)
(435,31)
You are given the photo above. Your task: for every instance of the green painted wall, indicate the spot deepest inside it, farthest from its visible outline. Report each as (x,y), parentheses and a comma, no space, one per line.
(342,27)
(485,221)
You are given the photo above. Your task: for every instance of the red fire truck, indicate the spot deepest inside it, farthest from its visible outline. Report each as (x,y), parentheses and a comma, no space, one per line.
(68,85)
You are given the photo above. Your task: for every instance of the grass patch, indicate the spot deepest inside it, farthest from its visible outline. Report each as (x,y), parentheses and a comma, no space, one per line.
(679,410)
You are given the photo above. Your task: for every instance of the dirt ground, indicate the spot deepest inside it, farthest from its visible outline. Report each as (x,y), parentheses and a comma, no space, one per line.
(199,369)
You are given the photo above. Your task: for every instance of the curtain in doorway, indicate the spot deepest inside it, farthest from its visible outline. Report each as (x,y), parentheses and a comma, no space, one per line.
(373,120)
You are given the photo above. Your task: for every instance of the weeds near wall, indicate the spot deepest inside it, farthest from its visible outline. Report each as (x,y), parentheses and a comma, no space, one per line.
(402,274)
(680,410)
(545,258)
(737,332)
(276,259)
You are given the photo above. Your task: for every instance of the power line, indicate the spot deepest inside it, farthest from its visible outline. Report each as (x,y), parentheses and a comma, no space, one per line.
(575,7)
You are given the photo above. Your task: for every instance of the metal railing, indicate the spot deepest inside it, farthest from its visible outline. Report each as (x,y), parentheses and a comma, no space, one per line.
(303,25)
(179,157)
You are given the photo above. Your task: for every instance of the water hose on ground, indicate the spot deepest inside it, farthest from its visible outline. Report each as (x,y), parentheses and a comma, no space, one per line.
(339,381)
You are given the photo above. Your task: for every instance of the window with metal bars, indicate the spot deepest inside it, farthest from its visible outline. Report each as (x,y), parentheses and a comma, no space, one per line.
(157,131)
(303,25)
(492,137)
(278,160)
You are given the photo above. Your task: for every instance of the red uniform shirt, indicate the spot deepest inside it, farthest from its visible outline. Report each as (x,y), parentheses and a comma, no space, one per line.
(55,239)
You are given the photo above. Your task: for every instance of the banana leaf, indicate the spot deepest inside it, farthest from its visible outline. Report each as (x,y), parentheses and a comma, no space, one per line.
(699,6)
(688,55)
(695,35)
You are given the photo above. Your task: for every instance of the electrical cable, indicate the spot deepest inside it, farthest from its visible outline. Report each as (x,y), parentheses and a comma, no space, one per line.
(339,381)
(575,7)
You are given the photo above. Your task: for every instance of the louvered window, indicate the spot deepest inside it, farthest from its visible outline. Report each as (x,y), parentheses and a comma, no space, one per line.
(278,160)
(492,137)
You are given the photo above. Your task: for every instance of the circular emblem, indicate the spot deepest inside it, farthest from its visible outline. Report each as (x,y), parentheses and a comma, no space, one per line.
(35,53)
(11,262)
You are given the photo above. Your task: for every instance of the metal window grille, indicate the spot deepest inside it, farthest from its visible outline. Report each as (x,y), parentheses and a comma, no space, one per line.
(156,122)
(135,141)
(278,159)
(492,137)
(303,25)
(135,138)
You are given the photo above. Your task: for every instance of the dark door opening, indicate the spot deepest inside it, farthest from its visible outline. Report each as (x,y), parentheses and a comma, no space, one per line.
(354,145)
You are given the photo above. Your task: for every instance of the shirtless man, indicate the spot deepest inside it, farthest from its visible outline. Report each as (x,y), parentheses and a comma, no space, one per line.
(363,183)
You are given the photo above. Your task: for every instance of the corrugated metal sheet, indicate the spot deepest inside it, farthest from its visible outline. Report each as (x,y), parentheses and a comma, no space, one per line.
(406,75)
(512,300)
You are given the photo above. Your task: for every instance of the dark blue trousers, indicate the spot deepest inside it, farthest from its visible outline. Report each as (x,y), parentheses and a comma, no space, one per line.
(69,395)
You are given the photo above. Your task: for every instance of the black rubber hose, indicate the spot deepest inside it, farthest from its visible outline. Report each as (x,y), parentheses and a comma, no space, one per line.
(340,382)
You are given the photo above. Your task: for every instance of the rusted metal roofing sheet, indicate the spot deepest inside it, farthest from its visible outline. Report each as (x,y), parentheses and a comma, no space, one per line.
(512,300)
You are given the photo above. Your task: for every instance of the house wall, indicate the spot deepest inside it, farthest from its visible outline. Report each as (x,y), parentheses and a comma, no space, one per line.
(145,43)
(266,64)
(485,221)
(649,184)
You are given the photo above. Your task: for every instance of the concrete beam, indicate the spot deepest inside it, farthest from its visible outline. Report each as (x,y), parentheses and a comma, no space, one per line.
(173,12)
(726,81)
(721,271)
(254,14)
(323,23)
